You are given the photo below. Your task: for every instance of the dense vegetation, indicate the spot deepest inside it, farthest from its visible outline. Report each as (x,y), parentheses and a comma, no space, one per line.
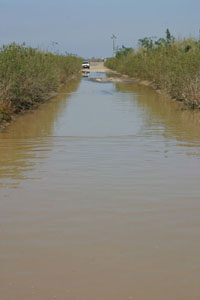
(171,65)
(29,76)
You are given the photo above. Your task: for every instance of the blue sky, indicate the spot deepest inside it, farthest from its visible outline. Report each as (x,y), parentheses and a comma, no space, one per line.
(85,27)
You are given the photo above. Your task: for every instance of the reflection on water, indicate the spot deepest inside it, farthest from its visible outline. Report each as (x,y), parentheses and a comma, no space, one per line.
(100,197)
(85,73)
(174,118)
(22,144)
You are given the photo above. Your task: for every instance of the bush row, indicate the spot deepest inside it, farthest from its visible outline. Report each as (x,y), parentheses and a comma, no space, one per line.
(29,76)
(171,65)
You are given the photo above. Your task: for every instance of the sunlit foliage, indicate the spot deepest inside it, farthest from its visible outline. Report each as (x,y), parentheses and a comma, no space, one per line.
(29,76)
(171,65)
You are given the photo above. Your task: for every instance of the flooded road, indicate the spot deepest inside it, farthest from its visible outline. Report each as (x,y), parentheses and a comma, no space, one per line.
(100,197)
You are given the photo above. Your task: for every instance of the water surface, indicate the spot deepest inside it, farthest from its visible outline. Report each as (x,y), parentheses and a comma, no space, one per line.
(100,197)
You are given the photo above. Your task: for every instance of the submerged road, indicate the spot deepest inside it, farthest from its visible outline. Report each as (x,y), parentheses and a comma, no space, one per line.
(100,197)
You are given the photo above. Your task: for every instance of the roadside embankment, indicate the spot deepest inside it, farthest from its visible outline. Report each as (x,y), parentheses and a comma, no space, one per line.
(168,65)
(29,76)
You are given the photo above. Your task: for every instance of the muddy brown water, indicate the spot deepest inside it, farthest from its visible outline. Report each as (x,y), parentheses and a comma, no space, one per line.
(100,197)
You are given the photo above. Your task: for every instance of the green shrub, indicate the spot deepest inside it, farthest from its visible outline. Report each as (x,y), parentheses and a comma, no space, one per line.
(171,65)
(29,76)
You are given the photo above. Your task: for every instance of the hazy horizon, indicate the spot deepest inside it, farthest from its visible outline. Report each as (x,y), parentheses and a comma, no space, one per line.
(85,27)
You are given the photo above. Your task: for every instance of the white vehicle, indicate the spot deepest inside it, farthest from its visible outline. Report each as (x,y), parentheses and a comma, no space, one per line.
(85,65)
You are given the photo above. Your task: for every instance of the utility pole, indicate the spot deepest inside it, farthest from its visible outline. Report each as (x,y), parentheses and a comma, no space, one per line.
(113,37)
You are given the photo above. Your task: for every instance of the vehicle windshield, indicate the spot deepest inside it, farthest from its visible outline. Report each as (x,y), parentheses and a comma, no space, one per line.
(85,62)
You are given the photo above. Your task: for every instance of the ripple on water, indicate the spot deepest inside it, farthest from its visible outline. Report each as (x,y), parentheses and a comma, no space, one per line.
(99,197)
